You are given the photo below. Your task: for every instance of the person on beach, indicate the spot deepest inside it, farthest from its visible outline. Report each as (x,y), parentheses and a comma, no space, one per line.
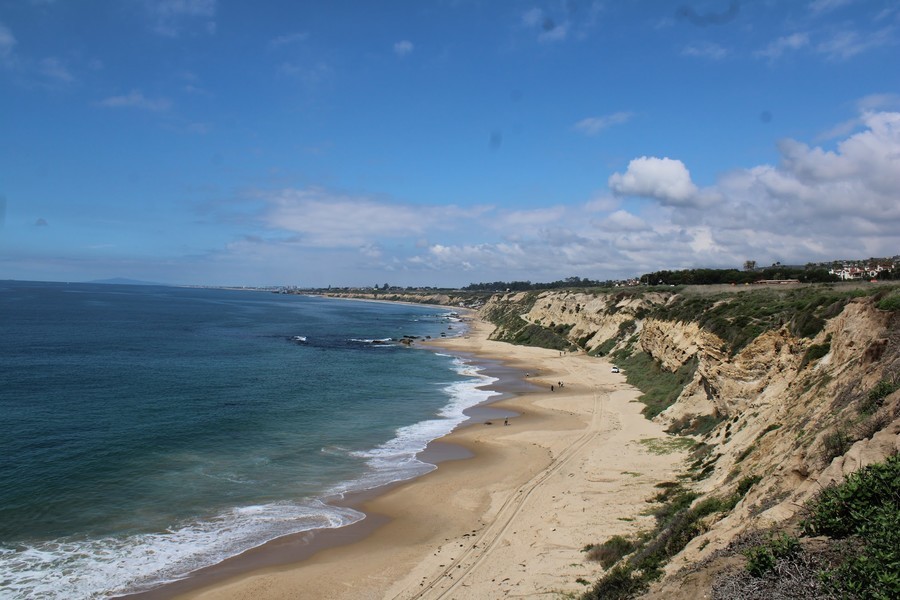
(551,388)
(506,421)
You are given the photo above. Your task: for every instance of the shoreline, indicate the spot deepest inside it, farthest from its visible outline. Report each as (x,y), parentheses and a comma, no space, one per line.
(512,518)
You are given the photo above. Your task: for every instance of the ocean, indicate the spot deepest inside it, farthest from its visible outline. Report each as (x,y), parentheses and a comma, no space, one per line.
(146,432)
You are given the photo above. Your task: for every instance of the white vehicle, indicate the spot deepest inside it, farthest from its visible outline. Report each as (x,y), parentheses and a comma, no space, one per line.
(614,369)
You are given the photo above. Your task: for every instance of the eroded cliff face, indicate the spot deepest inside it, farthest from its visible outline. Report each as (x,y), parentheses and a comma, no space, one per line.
(795,412)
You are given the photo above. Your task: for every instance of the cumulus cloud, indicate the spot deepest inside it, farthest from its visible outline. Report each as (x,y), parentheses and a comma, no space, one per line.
(622,220)
(663,179)
(403,47)
(136,99)
(594,125)
(814,203)
(332,220)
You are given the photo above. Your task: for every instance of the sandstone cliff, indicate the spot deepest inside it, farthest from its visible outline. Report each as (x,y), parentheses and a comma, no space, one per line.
(783,391)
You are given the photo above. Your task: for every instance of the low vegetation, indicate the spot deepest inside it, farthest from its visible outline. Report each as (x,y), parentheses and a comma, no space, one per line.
(863,560)
(866,508)
(848,547)
(660,387)
(679,519)
(739,318)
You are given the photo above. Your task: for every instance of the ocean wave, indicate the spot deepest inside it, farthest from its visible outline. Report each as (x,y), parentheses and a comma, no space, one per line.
(96,568)
(395,460)
(88,569)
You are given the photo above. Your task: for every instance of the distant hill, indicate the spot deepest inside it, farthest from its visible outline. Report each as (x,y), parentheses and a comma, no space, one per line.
(124,281)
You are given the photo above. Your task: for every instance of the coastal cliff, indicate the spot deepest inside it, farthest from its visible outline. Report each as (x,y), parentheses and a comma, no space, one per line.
(780,392)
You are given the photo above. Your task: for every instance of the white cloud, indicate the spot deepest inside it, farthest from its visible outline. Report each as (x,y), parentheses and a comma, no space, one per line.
(708,50)
(532,17)
(310,75)
(288,39)
(7,42)
(594,125)
(136,99)
(170,17)
(622,220)
(878,101)
(332,220)
(663,179)
(816,203)
(823,6)
(55,70)
(549,30)
(403,47)
(602,203)
(847,44)
(778,47)
(554,32)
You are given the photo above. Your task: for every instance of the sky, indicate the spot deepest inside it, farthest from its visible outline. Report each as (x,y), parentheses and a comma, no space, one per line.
(443,142)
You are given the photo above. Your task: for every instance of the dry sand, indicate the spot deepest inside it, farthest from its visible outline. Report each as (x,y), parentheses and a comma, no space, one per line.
(512,521)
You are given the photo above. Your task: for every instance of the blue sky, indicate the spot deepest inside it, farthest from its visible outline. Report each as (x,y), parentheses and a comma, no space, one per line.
(443,142)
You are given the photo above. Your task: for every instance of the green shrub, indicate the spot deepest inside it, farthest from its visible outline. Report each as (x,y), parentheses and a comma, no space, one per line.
(745,453)
(866,506)
(620,583)
(836,443)
(814,353)
(746,483)
(891,302)
(875,397)
(660,387)
(761,559)
(609,552)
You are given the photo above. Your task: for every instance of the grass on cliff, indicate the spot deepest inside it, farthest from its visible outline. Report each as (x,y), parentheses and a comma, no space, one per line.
(856,523)
(739,318)
(511,327)
(639,560)
(866,508)
(660,388)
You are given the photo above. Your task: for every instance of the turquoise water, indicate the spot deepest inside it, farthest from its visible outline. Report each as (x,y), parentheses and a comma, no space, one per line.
(150,431)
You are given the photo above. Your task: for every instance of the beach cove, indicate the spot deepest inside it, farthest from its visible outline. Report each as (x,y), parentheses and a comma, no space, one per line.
(574,468)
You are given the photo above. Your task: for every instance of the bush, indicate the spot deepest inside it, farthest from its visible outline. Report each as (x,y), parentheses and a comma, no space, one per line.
(762,559)
(836,443)
(875,397)
(746,483)
(891,302)
(866,507)
(814,353)
(660,387)
(618,584)
(609,552)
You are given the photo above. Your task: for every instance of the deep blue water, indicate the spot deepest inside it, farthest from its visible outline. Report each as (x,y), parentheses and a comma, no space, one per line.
(149,431)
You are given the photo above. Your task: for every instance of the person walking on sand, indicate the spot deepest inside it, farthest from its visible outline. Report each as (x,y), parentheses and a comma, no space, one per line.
(551,388)
(506,421)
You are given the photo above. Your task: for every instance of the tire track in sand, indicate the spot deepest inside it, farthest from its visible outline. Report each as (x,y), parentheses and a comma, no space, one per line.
(457,570)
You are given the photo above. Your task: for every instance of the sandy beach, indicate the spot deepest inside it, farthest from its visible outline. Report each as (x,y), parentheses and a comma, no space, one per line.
(511,521)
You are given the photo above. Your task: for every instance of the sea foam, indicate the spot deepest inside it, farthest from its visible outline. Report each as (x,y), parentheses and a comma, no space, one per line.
(74,568)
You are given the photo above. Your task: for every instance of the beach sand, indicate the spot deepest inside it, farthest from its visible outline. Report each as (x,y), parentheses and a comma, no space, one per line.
(570,470)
